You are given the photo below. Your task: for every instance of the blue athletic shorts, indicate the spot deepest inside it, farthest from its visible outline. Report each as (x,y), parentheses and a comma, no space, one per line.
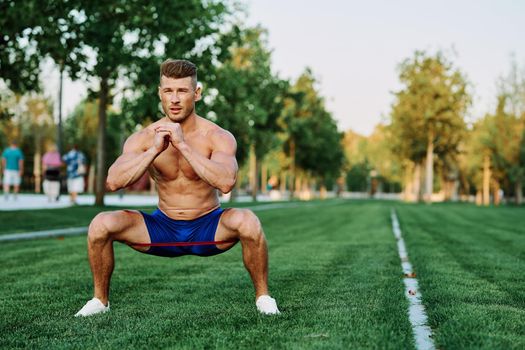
(163,229)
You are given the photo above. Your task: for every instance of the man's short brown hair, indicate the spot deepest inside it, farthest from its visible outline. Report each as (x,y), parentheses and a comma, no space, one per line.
(179,69)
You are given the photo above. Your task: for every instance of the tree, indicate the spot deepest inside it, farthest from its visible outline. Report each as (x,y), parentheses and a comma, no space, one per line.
(19,59)
(31,124)
(245,98)
(34,31)
(123,38)
(479,155)
(427,116)
(368,156)
(356,168)
(512,88)
(81,129)
(313,142)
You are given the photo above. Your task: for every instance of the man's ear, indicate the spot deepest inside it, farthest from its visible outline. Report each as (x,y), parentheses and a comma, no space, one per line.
(160,97)
(198,93)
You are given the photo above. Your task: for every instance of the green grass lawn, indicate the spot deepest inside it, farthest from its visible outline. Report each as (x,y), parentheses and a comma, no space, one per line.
(333,270)
(470,263)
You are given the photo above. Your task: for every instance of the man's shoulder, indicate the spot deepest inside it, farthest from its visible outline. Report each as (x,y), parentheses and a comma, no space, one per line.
(214,131)
(221,139)
(141,138)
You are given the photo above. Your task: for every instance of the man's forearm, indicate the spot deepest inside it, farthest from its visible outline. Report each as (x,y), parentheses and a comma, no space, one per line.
(215,174)
(129,168)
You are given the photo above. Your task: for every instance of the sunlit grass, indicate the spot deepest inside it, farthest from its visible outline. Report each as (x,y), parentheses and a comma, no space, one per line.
(333,270)
(470,264)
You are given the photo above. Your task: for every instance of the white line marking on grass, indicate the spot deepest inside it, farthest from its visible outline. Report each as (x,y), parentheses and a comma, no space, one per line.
(416,310)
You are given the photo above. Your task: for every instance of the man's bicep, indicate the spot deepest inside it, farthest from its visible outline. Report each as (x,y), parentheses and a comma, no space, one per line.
(134,144)
(224,150)
(225,159)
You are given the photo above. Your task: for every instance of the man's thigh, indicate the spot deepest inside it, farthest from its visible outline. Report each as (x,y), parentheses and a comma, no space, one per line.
(127,226)
(232,220)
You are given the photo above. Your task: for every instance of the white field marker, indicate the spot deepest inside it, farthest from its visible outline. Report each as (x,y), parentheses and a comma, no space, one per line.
(416,310)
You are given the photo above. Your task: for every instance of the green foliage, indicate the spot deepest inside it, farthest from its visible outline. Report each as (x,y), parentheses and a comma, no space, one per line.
(107,41)
(311,130)
(432,104)
(19,59)
(372,153)
(357,177)
(81,129)
(32,126)
(500,136)
(245,96)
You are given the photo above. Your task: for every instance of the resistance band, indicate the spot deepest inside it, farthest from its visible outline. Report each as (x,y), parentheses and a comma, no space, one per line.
(181,244)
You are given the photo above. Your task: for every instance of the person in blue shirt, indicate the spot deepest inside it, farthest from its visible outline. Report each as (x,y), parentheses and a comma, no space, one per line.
(76,170)
(13,166)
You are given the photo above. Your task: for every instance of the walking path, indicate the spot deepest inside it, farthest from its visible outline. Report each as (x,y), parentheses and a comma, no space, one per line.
(39,201)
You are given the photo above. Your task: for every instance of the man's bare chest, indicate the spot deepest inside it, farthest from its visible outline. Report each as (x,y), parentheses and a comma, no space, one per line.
(172,165)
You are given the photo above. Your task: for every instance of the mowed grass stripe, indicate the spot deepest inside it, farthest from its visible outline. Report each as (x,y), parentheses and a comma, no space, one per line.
(470,264)
(333,270)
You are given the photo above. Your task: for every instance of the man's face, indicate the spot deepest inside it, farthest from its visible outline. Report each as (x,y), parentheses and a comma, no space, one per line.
(178,97)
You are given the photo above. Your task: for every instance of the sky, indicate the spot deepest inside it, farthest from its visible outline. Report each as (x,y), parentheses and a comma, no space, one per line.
(355,47)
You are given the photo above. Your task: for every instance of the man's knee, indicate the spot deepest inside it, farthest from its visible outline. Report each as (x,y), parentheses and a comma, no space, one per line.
(247,224)
(104,225)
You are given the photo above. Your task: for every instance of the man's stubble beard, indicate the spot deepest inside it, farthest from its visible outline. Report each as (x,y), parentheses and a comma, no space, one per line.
(181,118)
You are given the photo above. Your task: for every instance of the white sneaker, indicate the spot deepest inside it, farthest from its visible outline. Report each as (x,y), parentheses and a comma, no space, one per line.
(267,305)
(92,307)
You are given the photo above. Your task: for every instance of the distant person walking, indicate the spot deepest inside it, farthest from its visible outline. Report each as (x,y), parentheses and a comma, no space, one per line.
(76,170)
(13,166)
(51,163)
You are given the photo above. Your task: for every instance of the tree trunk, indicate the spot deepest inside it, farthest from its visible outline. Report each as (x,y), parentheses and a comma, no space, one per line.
(264,178)
(417,182)
(479,197)
(429,171)
(37,168)
(408,190)
(91,179)
(253,172)
(293,174)
(519,192)
(233,194)
(454,186)
(322,192)
(298,185)
(455,190)
(486,180)
(497,197)
(100,187)
(60,145)
(236,188)
(282,185)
